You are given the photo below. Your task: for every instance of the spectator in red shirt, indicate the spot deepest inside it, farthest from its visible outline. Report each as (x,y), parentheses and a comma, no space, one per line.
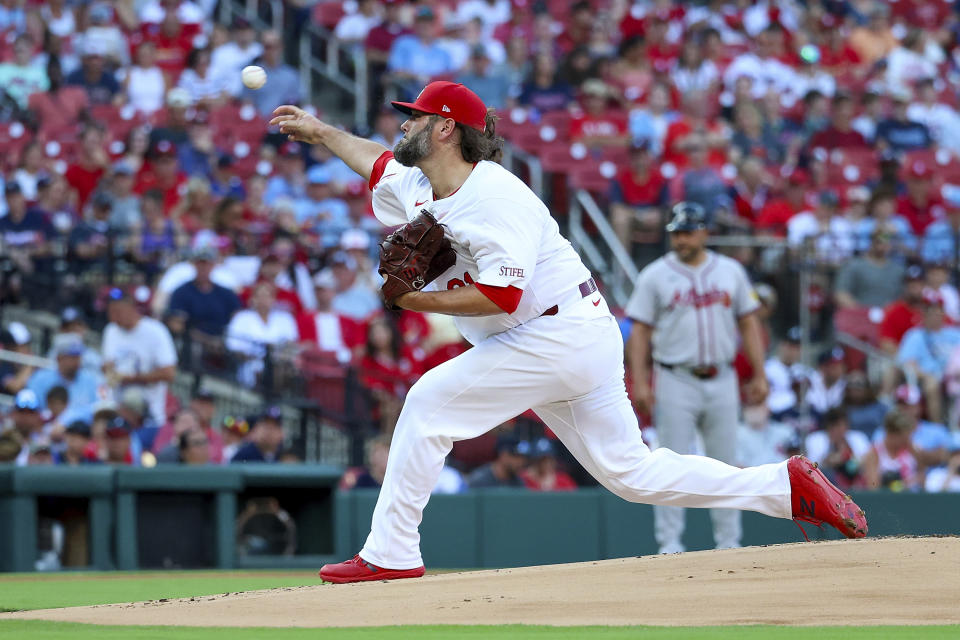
(632,73)
(59,107)
(386,371)
(840,134)
(325,328)
(775,214)
(520,24)
(543,473)
(92,162)
(164,175)
(751,190)
(598,126)
(270,269)
(579,27)
(836,55)
(637,195)
(173,41)
(661,53)
(921,205)
(904,314)
(694,129)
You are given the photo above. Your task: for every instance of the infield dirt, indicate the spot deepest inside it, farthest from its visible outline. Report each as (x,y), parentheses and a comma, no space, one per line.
(893,581)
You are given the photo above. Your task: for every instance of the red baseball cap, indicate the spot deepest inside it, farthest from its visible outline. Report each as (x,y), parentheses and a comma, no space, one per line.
(449,100)
(932,297)
(919,169)
(799,177)
(908,394)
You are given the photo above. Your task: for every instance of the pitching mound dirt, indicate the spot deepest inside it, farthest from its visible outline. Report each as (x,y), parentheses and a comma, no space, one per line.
(862,582)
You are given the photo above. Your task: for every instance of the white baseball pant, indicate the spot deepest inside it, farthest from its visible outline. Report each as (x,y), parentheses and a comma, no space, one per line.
(569,369)
(685,405)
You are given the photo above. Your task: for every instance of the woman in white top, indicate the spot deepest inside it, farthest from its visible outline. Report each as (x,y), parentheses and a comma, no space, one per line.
(691,71)
(145,83)
(200,80)
(251,330)
(58,18)
(30,170)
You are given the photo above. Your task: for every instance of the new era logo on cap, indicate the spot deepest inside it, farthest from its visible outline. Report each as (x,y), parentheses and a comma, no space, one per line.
(452,99)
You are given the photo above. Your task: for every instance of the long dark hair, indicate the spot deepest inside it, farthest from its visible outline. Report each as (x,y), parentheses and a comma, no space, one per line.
(481,145)
(396,340)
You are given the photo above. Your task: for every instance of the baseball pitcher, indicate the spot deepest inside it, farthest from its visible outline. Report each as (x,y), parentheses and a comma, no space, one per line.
(543,336)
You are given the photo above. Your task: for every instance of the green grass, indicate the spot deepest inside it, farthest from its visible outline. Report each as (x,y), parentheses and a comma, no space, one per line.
(69,631)
(23,591)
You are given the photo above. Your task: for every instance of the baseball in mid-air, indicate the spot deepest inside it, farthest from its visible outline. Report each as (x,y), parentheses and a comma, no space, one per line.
(253,76)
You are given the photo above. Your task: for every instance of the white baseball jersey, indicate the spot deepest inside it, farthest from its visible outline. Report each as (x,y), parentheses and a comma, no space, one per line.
(693,310)
(502,233)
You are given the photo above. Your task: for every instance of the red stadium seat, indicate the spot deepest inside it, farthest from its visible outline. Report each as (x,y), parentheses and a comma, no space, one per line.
(591,177)
(856,322)
(556,158)
(327,13)
(559,120)
(14,136)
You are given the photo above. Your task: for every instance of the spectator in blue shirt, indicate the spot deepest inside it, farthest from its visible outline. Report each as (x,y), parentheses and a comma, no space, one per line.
(491,84)
(927,349)
(940,239)
(319,209)
(76,439)
(90,241)
(898,132)
(283,82)
(83,387)
(288,181)
(25,233)
(544,91)
(100,84)
(202,304)
(417,57)
(883,215)
(266,438)
(931,440)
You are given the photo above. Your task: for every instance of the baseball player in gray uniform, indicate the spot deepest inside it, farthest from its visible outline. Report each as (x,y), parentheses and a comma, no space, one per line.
(689,305)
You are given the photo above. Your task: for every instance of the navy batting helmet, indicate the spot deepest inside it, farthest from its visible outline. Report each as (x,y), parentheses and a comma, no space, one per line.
(687,216)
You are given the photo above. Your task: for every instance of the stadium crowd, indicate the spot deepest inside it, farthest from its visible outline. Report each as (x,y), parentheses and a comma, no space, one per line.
(144,195)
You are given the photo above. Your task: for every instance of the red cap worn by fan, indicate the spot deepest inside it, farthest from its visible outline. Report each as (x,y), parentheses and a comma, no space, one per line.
(449,100)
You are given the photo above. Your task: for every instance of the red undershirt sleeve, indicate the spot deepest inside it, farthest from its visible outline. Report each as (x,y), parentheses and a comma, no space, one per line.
(379,167)
(507,298)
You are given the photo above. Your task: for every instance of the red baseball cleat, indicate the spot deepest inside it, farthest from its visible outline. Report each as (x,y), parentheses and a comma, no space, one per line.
(359,570)
(816,500)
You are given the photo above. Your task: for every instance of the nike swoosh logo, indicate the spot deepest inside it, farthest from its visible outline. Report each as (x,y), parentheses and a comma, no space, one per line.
(597,302)
(389,175)
(420,203)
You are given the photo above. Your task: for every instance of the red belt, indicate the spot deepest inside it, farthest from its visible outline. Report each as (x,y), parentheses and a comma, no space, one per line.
(586,288)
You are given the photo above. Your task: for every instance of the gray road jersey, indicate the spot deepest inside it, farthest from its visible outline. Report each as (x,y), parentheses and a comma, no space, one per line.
(693,311)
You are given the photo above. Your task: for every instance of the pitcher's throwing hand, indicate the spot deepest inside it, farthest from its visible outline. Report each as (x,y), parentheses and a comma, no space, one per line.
(299,125)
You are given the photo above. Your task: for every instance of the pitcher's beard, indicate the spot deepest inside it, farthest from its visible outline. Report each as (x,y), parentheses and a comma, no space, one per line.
(410,151)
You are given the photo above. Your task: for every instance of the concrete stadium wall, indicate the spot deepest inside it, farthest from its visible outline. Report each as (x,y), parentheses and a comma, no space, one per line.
(509,528)
(131,512)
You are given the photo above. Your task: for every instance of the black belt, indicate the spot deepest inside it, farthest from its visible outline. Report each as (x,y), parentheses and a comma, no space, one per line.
(586,288)
(703,371)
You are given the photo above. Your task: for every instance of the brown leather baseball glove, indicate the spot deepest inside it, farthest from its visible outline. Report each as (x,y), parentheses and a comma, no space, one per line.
(413,256)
